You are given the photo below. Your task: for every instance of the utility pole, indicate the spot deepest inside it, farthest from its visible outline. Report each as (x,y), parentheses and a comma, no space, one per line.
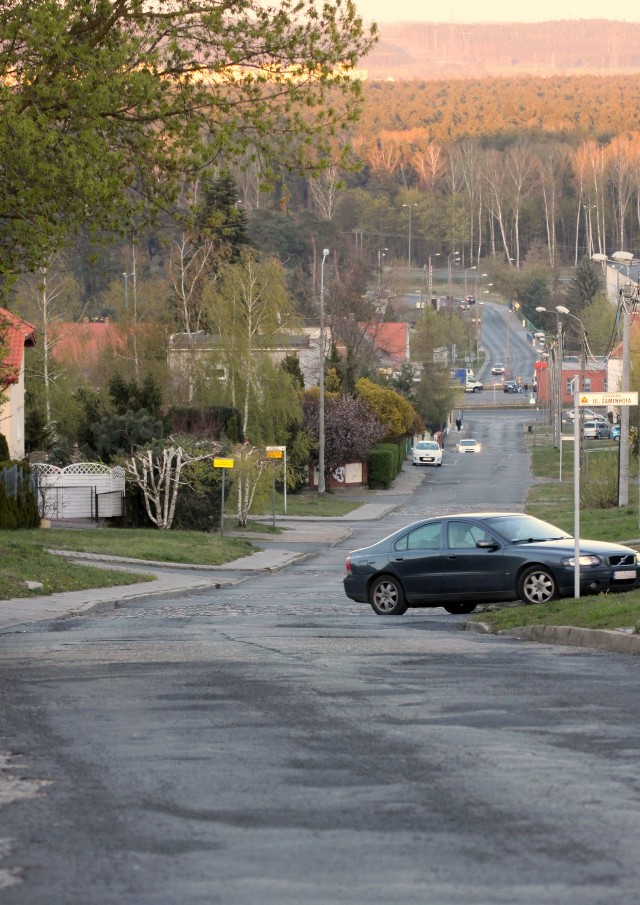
(623,478)
(321,486)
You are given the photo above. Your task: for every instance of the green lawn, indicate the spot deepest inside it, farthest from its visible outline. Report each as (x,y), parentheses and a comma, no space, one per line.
(24,556)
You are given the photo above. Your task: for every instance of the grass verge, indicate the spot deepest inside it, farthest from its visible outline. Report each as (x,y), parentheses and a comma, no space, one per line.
(552,499)
(24,556)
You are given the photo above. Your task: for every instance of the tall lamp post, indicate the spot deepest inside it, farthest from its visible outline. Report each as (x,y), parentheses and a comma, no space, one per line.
(381,252)
(321,487)
(456,255)
(583,366)
(436,255)
(465,276)
(557,390)
(623,257)
(409,206)
(126,288)
(479,276)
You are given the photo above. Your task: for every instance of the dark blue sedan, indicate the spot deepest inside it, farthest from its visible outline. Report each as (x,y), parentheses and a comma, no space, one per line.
(458,561)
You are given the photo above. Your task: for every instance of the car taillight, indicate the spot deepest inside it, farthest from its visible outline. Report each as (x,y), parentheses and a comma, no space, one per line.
(348,564)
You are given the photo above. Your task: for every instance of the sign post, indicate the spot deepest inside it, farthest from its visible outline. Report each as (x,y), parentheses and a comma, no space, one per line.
(278,452)
(582,399)
(223,464)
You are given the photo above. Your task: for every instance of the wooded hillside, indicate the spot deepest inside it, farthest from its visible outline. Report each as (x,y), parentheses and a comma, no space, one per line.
(415,50)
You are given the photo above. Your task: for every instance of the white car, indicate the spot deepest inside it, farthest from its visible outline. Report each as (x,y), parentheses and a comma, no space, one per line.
(498,368)
(468,446)
(588,414)
(427,452)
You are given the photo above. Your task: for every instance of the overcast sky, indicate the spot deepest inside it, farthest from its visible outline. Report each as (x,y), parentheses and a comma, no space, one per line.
(495,11)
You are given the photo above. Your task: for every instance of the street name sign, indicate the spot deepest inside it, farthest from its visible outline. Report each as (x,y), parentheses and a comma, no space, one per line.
(607,399)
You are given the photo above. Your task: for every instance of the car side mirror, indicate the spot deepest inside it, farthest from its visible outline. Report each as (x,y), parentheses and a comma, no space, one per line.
(488,544)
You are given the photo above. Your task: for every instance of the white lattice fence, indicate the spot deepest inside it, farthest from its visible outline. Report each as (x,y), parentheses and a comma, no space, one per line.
(82,490)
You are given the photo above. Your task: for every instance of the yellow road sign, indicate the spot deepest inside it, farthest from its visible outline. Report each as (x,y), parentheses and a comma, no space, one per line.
(223,463)
(607,399)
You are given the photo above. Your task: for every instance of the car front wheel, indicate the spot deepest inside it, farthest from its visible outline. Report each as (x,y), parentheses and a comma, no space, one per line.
(537,585)
(387,597)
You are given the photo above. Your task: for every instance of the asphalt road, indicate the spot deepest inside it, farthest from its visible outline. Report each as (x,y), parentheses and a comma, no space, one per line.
(274,743)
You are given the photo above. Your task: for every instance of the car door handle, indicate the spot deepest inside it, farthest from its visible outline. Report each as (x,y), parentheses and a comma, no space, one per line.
(398,558)
(452,556)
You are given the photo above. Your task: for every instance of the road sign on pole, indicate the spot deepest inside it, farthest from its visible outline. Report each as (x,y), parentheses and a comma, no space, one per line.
(607,399)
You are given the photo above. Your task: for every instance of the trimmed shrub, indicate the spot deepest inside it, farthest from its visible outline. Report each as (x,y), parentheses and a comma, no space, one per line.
(383,465)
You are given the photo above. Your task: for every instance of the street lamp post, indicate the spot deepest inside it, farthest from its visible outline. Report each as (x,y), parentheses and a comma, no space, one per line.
(381,252)
(436,255)
(321,486)
(409,206)
(465,277)
(479,276)
(583,366)
(623,257)
(454,254)
(557,389)
(126,288)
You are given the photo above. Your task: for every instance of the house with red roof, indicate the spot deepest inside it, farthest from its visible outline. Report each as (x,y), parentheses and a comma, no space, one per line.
(16,335)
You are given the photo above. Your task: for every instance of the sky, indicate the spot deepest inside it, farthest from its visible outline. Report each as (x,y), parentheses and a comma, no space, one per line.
(466,11)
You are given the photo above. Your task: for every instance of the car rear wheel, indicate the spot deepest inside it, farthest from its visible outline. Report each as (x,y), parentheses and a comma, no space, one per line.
(387,597)
(537,585)
(456,608)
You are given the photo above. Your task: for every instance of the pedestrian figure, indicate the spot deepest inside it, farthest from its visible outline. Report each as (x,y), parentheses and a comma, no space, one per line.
(458,424)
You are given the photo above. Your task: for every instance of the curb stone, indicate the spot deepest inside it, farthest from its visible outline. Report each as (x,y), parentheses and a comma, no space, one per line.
(617,641)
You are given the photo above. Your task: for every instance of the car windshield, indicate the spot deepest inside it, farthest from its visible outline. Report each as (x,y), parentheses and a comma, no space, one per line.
(525,529)
(467,443)
(427,444)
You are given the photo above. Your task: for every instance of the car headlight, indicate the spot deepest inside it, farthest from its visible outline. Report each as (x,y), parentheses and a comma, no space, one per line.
(586,560)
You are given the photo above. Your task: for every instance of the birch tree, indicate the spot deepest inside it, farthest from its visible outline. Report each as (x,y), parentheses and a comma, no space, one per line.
(159,475)
(250,305)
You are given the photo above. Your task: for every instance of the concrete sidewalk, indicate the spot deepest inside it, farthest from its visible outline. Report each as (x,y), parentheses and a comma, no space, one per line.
(181,580)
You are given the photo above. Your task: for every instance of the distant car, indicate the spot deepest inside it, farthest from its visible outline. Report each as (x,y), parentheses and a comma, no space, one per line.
(588,414)
(590,430)
(539,337)
(615,432)
(511,386)
(603,430)
(468,446)
(427,452)
(458,561)
(498,368)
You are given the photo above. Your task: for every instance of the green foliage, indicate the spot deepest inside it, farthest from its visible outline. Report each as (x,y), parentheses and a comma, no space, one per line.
(383,465)
(19,510)
(81,121)
(585,285)
(220,422)
(395,413)
(290,364)
(599,480)
(128,395)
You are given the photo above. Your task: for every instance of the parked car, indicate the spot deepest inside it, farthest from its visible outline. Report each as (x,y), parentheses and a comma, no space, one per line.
(427,452)
(589,415)
(458,561)
(511,386)
(615,432)
(498,368)
(603,430)
(468,446)
(590,430)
